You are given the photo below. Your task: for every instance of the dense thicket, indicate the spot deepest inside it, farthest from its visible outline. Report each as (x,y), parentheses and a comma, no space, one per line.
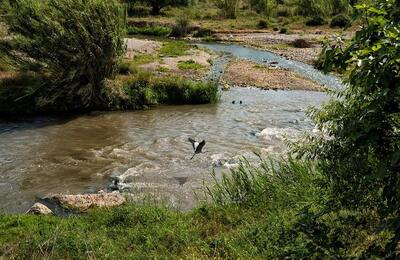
(359,145)
(74,44)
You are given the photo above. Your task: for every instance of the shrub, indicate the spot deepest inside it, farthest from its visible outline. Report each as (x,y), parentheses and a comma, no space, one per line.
(284,30)
(262,24)
(150,30)
(176,91)
(138,10)
(174,48)
(301,43)
(359,142)
(16,93)
(203,32)
(341,21)
(84,48)
(157,5)
(227,7)
(189,65)
(181,27)
(316,20)
(284,11)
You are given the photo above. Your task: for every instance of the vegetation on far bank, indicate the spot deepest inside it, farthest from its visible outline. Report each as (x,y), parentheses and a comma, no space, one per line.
(224,15)
(77,68)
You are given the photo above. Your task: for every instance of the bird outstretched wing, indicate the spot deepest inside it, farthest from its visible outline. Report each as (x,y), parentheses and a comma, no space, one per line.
(192,141)
(201,145)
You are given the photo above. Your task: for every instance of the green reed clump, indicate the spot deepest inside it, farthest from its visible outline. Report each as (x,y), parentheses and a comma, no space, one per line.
(267,183)
(176,90)
(150,30)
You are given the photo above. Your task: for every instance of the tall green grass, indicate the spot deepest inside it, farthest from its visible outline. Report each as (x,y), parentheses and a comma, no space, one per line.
(149,30)
(274,210)
(270,182)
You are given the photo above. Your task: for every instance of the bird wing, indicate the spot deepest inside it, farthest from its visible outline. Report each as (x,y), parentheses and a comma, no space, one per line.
(200,146)
(193,142)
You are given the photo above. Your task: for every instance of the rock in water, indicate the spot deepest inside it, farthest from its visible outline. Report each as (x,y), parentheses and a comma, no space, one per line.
(39,209)
(85,201)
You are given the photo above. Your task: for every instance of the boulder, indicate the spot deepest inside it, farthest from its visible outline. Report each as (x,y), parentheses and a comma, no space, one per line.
(39,209)
(85,201)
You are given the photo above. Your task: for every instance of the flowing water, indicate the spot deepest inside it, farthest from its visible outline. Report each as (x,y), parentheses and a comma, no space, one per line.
(147,152)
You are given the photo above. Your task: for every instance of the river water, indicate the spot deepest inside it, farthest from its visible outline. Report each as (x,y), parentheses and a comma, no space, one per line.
(147,152)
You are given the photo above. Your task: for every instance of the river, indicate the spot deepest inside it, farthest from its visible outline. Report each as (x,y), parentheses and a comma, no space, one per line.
(148,151)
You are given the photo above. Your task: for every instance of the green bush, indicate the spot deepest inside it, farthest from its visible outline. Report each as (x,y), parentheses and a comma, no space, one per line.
(76,43)
(316,20)
(174,48)
(138,10)
(150,30)
(228,7)
(284,30)
(341,21)
(262,24)
(359,142)
(180,91)
(181,27)
(189,65)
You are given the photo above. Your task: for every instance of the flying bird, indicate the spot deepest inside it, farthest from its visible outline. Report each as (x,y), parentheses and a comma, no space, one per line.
(197,147)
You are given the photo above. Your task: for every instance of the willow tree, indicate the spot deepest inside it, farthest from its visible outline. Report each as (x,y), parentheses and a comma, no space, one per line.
(75,43)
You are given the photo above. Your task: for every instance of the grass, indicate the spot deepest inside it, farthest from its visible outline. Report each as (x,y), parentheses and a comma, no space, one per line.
(174,48)
(256,212)
(189,65)
(149,30)
(235,226)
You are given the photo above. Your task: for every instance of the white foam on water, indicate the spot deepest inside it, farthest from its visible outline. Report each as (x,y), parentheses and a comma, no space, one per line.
(277,133)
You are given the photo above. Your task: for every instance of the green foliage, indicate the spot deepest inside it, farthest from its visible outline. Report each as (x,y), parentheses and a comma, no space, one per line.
(150,30)
(138,10)
(340,20)
(173,90)
(157,5)
(258,186)
(228,7)
(174,48)
(263,6)
(16,93)
(323,7)
(262,24)
(316,20)
(284,30)
(359,144)
(181,27)
(189,65)
(76,43)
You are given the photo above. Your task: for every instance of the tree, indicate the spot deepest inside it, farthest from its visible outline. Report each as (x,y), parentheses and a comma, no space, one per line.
(359,147)
(77,43)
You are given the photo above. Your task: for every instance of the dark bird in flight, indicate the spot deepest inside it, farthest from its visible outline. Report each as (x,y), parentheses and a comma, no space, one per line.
(233,102)
(197,147)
